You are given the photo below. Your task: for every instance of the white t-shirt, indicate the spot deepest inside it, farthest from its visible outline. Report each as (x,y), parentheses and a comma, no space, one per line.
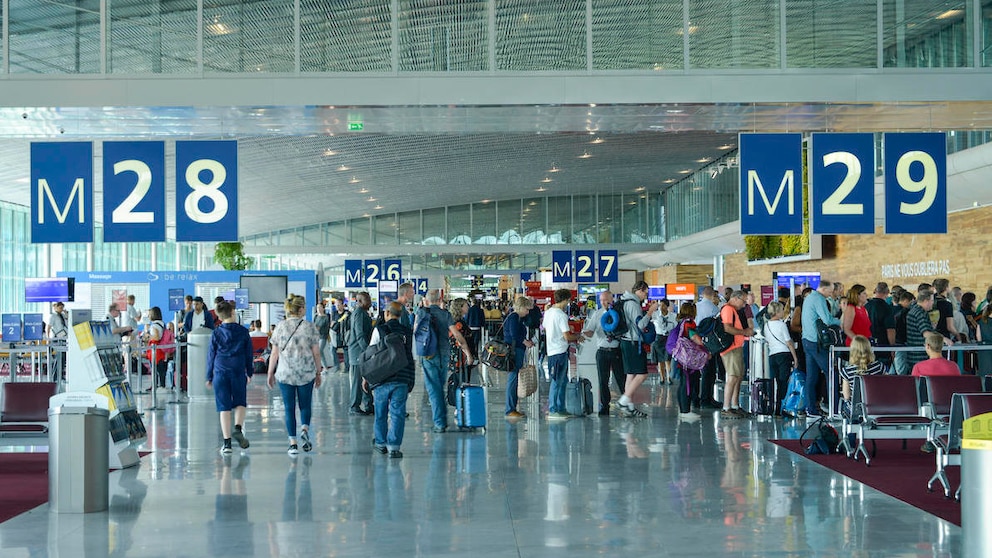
(777,335)
(555,325)
(594,324)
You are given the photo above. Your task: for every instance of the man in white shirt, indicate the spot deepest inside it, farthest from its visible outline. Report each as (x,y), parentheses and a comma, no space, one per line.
(558,337)
(608,357)
(133,314)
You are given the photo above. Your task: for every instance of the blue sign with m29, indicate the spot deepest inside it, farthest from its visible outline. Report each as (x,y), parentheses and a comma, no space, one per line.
(915,182)
(771,167)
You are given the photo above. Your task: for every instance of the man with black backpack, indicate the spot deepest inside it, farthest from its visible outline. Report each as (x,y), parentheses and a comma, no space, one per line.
(635,361)
(431,327)
(816,307)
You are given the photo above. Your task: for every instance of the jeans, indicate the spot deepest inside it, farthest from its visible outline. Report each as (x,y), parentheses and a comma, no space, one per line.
(816,362)
(435,376)
(360,399)
(390,414)
(902,363)
(511,379)
(608,360)
(293,396)
(323,359)
(558,370)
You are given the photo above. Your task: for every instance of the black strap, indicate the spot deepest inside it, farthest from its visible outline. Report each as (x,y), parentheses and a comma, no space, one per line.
(290,338)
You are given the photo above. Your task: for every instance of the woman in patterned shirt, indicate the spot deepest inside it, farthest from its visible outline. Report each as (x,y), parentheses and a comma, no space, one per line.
(295,365)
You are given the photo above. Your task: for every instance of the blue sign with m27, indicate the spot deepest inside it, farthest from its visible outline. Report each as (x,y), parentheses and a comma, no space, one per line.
(561,266)
(842,184)
(61,192)
(771,183)
(207,191)
(353,274)
(915,183)
(133,191)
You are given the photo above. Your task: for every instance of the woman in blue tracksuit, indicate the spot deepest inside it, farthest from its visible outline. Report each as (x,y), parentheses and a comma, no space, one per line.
(515,334)
(229,369)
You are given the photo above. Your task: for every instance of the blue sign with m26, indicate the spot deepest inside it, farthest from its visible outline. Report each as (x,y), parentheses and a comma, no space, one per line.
(842,184)
(561,266)
(133,191)
(207,191)
(61,192)
(771,184)
(373,272)
(353,274)
(915,183)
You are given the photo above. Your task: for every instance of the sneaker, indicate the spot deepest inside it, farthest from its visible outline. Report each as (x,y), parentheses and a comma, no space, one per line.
(740,412)
(689,416)
(293,449)
(305,438)
(558,416)
(226,448)
(729,415)
(395,454)
(379,448)
(239,437)
(515,414)
(632,412)
(440,429)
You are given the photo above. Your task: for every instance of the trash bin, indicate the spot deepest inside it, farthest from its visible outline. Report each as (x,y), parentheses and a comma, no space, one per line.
(197,346)
(78,459)
(976,485)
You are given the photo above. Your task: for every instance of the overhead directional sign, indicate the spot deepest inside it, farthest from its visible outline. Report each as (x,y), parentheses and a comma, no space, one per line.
(585,266)
(392,270)
(61,192)
(609,270)
(561,266)
(915,183)
(771,171)
(373,272)
(842,184)
(207,191)
(134,191)
(353,274)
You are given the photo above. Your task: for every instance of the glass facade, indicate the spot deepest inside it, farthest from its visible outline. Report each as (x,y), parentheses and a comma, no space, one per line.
(387,36)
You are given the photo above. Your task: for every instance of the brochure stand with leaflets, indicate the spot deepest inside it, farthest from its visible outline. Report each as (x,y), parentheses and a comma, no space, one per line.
(96,364)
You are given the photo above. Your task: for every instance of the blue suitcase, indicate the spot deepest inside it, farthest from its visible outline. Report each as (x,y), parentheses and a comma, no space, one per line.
(578,397)
(470,407)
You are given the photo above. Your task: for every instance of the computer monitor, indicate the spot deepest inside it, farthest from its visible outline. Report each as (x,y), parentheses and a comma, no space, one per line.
(53,289)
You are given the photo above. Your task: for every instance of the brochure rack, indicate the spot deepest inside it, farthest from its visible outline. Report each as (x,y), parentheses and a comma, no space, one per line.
(96,364)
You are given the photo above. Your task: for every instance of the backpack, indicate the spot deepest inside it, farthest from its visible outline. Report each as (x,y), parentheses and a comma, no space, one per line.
(715,339)
(424,336)
(825,441)
(828,335)
(673,338)
(168,338)
(381,362)
(614,321)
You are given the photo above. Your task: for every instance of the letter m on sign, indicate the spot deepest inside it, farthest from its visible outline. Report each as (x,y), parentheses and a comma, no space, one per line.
(771,161)
(61,192)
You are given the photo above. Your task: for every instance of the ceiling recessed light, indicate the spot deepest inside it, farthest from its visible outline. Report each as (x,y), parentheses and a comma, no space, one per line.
(485,201)
(330,153)
(597,141)
(950,13)
(685,171)
(545,180)
(541,189)
(354,180)
(554,169)
(585,155)
(364,190)
(703,160)
(532,203)
(725,147)
(640,189)
(377,207)
(366,215)
(669,181)
(371,199)
(344,168)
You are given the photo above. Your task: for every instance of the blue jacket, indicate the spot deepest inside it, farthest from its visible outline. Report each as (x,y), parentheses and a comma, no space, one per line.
(514,331)
(229,352)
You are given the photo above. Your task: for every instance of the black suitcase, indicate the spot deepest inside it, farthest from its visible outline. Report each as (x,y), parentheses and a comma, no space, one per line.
(763,396)
(578,397)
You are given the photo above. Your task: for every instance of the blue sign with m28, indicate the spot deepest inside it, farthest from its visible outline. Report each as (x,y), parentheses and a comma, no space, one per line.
(842,184)
(207,191)
(561,266)
(61,192)
(133,191)
(915,183)
(353,274)
(771,183)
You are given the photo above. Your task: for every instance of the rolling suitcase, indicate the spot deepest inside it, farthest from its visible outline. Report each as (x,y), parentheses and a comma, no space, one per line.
(578,397)
(470,406)
(763,396)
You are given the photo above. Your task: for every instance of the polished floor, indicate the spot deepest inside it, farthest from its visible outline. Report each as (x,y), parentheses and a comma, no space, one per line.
(596,486)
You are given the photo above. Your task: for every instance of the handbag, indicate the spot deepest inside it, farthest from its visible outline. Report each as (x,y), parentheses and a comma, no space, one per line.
(690,355)
(380,362)
(497,354)
(527,379)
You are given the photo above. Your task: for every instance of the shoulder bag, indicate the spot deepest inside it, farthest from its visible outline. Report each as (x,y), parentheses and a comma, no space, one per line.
(527,377)
(385,359)
(496,353)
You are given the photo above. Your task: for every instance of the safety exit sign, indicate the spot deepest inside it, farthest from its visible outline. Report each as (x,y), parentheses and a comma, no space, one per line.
(356,126)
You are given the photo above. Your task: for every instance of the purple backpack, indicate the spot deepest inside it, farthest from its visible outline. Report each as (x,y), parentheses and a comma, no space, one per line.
(673,337)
